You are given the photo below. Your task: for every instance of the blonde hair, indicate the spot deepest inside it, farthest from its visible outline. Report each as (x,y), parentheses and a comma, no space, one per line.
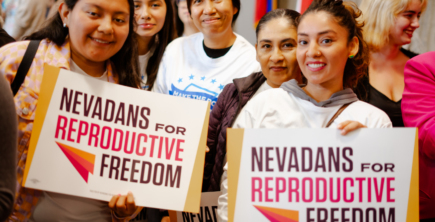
(379,16)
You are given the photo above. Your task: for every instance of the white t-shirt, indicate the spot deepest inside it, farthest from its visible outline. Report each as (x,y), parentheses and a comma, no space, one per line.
(187,71)
(143,63)
(61,207)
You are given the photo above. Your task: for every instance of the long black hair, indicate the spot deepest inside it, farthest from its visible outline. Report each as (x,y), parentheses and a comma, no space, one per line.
(125,61)
(164,37)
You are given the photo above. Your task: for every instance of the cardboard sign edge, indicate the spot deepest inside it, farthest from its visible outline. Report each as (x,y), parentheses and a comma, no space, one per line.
(234,155)
(49,79)
(193,198)
(413,200)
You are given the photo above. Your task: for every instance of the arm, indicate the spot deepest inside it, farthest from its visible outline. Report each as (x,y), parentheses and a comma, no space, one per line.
(215,128)
(8,149)
(160,83)
(223,199)
(418,100)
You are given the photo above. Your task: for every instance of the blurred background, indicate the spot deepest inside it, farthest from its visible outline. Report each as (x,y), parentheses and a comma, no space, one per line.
(422,41)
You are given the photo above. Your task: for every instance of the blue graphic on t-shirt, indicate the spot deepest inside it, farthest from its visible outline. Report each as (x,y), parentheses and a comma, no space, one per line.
(195,92)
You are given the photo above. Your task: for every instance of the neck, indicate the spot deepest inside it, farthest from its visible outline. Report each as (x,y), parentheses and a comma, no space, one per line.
(324,91)
(145,44)
(221,41)
(388,52)
(189,29)
(94,69)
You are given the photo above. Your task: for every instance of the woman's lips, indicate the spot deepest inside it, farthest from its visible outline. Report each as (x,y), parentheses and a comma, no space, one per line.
(210,20)
(278,68)
(147,26)
(316,66)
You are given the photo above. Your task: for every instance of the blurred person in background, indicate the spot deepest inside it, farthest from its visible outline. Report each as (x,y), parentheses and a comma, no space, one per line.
(389,24)
(184,22)
(155,29)
(418,107)
(30,16)
(8,150)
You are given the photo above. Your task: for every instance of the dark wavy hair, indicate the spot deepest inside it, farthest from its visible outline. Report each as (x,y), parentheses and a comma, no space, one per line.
(346,13)
(165,36)
(179,25)
(236,4)
(125,61)
(291,16)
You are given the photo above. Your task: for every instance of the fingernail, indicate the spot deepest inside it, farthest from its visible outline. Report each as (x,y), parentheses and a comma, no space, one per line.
(129,192)
(119,194)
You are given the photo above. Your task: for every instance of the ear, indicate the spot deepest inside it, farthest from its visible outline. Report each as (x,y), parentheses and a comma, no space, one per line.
(354,46)
(235,10)
(256,49)
(64,13)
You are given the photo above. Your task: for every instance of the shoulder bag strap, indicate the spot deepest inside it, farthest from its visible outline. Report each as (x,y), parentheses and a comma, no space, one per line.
(339,111)
(25,65)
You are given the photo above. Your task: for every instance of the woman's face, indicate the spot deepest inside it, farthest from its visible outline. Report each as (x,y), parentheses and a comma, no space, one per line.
(323,49)
(405,24)
(276,51)
(97,28)
(150,16)
(212,16)
(183,13)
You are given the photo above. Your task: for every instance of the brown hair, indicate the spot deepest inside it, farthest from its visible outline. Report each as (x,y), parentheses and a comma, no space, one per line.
(346,14)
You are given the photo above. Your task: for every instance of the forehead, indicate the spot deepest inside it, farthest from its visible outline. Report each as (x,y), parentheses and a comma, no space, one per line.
(113,6)
(319,22)
(414,5)
(277,28)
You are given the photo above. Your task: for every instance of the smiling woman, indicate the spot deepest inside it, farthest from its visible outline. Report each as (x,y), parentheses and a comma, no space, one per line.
(89,37)
(200,65)
(328,34)
(156,29)
(390,24)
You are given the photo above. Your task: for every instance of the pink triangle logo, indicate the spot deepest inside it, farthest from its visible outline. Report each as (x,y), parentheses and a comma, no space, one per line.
(279,215)
(81,160)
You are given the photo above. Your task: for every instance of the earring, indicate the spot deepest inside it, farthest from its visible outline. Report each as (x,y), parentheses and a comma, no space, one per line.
(351,56)
(64,25)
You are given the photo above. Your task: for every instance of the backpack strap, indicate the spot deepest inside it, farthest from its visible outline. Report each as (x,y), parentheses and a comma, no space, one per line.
(25,65)
(339,111)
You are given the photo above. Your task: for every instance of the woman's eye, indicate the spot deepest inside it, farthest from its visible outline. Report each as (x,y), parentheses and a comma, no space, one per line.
(120,20)
(155,5)
(92,14)
(196,1)
(265,46)
(326,41)
(302,42)
(288,45)
(136,6)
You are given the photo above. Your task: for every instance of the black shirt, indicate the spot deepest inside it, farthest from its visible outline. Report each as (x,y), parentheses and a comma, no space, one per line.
(215,53)
(368,93)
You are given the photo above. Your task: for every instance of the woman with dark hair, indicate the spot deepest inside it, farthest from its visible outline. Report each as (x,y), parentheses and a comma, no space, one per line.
(183,22)
(332,56)
(91,37)
(200,65)
(155,28)
(276,52)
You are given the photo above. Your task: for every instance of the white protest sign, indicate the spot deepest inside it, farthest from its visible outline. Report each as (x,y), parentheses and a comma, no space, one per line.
(319,175)
(97,139)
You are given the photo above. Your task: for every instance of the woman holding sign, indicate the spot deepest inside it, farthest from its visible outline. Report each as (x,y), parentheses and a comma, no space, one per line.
(333,57)
(200,65)
(90,37)
(276,51)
